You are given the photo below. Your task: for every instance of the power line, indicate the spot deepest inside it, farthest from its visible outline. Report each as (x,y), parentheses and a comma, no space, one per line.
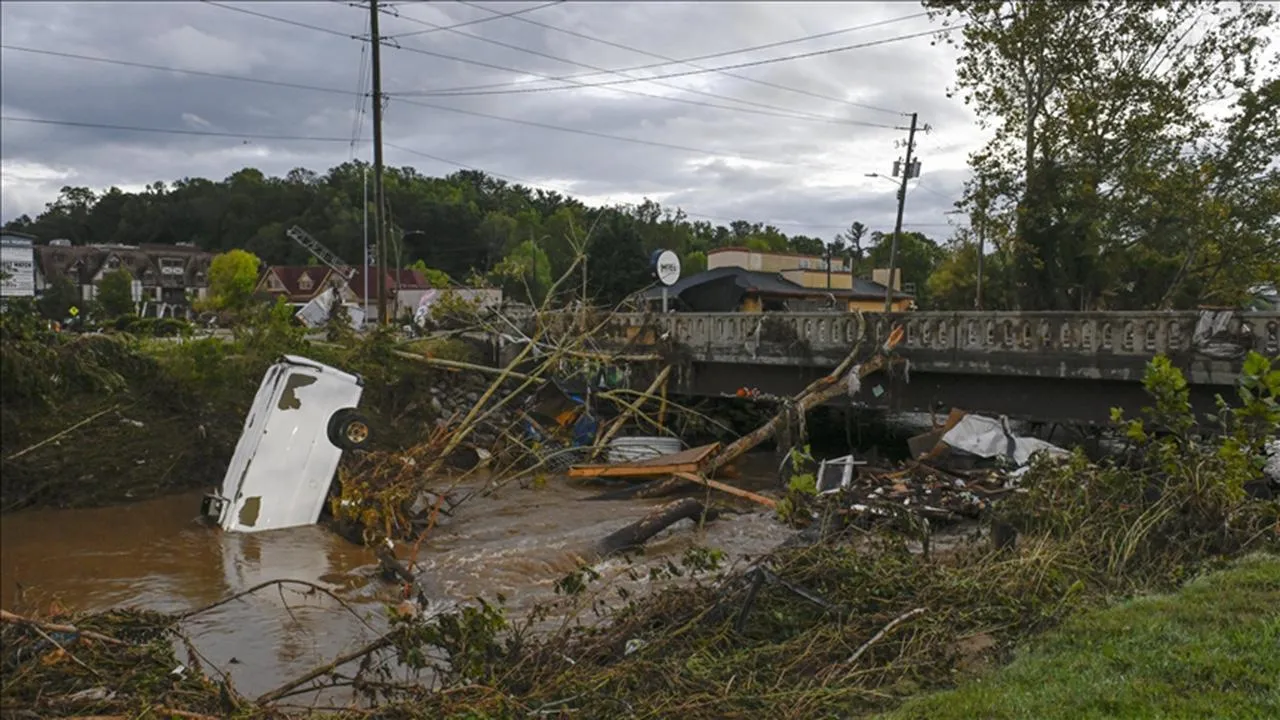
(353,139)
(667,58)
(592,133)
(174,131)
(688,73)
(774,110)
(477,21)
(536,186)
(313,138)
(696,58)
(286,21)
(357,122)
(184,71)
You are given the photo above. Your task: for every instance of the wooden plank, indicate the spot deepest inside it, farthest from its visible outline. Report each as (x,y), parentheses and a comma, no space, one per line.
(739,492)
(684,461)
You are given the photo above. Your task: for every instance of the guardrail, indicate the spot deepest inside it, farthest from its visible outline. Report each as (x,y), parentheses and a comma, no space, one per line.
(1133,334)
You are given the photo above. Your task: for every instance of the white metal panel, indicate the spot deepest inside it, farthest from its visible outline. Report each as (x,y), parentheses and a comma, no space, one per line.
(250,435)
(286,474)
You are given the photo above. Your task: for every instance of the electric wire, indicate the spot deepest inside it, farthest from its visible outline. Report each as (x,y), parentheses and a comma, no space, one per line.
(605,136)
(174,131)
(774,111)
(765,83)
(286,21)
(497,16)
(537,186)
(689,73)
(167,68)
(696,58)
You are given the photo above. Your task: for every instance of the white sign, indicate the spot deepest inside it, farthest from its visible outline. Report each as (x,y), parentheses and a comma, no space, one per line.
(667,268)
(18,268)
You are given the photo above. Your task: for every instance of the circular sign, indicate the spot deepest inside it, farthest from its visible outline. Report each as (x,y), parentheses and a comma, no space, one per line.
(666,265)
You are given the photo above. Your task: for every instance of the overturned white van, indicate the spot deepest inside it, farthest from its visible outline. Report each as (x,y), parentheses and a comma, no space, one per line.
(302,419)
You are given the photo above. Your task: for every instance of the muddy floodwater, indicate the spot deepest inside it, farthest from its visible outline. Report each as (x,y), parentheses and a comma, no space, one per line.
(156,554)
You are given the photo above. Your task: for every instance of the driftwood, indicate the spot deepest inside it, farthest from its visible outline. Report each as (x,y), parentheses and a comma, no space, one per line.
(10,618)
(63,433)
(637,533)
(828,390)
(630,409)
(739,492)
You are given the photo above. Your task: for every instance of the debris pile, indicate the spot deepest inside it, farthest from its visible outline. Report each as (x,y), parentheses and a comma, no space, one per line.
(113,664)
(925,490)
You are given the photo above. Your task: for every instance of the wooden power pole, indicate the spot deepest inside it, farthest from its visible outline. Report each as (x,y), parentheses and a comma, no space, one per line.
(379,225)
(902,202)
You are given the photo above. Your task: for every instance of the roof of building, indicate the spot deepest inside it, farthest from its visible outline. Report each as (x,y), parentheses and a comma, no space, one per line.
(291,278)
(779,253)
(767,283)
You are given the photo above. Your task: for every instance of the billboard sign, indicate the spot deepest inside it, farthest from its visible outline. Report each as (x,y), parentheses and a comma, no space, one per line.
(17,266)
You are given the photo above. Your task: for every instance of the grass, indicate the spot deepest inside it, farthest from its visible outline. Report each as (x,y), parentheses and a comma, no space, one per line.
(1212,649)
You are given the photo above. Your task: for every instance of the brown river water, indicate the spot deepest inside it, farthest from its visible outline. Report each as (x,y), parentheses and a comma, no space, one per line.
(158,555)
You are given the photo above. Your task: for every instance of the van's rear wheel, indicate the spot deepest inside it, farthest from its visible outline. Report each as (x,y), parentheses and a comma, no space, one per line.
(349,430)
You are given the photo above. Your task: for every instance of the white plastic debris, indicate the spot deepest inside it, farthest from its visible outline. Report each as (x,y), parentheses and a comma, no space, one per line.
(987,438)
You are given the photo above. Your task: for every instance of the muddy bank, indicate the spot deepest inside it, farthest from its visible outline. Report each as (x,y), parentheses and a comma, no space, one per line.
(99,419)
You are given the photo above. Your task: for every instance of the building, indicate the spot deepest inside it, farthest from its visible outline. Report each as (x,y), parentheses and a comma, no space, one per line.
(806,270)
(733,289)
(166,278)
(300,285)
(17,265)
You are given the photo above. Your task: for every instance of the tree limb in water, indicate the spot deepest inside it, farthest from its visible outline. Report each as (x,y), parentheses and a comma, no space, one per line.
(637,533)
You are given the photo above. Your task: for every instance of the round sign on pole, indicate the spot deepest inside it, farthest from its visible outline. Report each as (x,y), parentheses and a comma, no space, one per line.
(666,266)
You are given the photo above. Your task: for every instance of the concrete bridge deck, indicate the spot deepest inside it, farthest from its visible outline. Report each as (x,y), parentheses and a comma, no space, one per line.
(1051,366)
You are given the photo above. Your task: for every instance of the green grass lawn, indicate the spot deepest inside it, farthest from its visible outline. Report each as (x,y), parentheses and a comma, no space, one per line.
(1211,650)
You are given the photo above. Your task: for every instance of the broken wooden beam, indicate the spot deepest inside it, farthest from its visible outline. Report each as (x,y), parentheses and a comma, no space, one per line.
(722,487)
(690,460)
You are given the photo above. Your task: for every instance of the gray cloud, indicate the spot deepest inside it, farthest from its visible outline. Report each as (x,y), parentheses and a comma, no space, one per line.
(814,183)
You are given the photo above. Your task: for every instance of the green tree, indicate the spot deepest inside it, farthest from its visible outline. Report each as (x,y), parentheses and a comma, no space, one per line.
(115,293)
(525,273)
(1112,166)
(438,279)
(58,297)
(617,265)
(232,277)
(918,257)
(693,263)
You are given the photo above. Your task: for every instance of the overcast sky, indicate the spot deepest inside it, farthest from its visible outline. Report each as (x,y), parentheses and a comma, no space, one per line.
(788,142)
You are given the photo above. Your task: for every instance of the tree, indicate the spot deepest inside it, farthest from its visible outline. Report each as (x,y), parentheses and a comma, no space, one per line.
(694,263)
(525,273)
(435,278)
(918,256)
(617,265)
(115,293)
(849,244)
(1111,167)
(56,300)
(232,277)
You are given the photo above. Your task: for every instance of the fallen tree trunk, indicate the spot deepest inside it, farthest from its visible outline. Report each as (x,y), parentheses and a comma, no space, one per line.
(827,388)
(637,533)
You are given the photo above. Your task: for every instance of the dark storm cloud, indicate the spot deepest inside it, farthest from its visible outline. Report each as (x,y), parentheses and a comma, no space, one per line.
(813,183)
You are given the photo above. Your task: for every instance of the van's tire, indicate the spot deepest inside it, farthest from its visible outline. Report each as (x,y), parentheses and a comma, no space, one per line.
(349,429)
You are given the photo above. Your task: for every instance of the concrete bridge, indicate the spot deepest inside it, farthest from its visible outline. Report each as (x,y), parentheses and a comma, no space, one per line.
(1047,366)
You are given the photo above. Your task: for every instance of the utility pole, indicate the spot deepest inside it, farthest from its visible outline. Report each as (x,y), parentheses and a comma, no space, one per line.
(379,225)
(982,239)
(364,257)
(907,174)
